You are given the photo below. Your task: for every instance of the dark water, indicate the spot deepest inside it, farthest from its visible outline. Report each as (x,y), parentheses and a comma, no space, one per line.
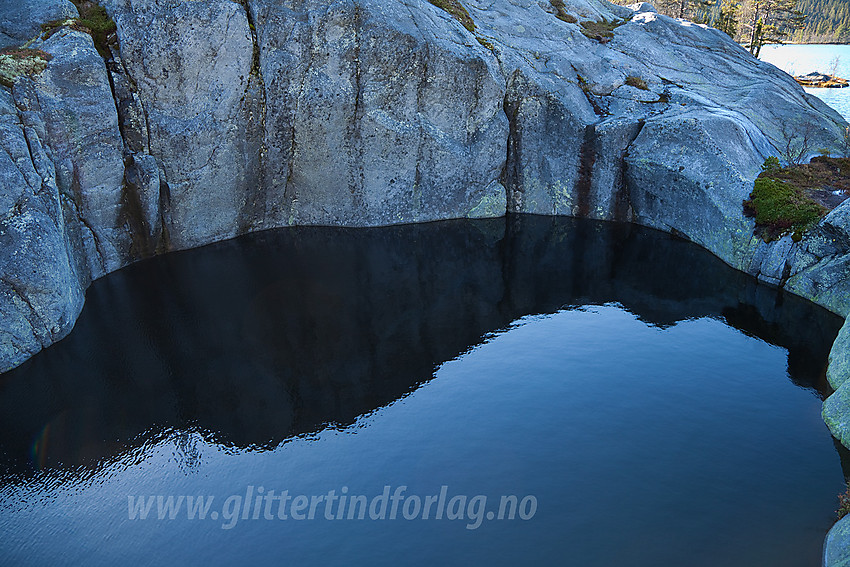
(656,407)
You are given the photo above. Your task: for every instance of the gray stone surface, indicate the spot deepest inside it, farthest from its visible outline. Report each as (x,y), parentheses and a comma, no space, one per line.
(41,293)
(836,549)
(191,63)
(377,113)
(839,358)
(20,20)
(73,99)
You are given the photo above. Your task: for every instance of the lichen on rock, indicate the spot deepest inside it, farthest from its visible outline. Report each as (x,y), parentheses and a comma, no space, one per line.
(18,62)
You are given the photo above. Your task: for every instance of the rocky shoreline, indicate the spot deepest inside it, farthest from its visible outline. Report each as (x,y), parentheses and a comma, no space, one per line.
(205,120)
(210,119)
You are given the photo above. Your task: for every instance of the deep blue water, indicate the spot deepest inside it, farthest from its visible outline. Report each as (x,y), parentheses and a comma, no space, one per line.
(648,405)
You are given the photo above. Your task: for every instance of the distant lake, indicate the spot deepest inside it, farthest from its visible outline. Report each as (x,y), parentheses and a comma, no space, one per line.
(802,59)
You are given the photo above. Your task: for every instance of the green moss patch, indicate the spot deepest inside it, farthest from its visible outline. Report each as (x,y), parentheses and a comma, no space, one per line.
(17,62)
(457,10)
(95,20)
(601,31)
(485,43)
(780,207)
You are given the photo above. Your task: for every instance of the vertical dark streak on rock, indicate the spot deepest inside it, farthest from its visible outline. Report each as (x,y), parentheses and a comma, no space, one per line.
(587,158)
(512,172)
(420,109)
(356,185)
(622,197)
(786,273)
(142,242)
(253,213)
(107,64)
(131,212)
(289,201)
(164,244)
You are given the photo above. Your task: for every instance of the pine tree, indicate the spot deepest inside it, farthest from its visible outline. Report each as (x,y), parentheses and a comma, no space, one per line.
(727,20)
(686,9)
(769,21)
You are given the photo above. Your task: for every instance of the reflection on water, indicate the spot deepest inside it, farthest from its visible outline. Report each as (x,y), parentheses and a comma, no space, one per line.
(185,374)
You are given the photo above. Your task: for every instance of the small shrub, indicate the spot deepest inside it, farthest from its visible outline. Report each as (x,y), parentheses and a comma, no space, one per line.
(601,31)
(457,10)
(781,207)
(843,503)
(796,142)
(636,82)
(771,164)
(561,12)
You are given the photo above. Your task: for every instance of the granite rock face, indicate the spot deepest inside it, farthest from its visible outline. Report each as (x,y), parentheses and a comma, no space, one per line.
(376,113)
(190,64)
(21,20)
(836,408)
(41,290)
(208,119)
(836,549)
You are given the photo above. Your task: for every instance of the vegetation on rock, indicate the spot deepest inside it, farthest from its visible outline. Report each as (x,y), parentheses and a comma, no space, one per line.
(561,12)
(843,503)
(457,10)
(791,199)
(636,82)
(19,61)
(601,31)
(485,43)
(93,20)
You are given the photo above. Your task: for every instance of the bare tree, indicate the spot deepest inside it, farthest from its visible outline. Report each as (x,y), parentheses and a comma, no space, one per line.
(796,143)
(834,64)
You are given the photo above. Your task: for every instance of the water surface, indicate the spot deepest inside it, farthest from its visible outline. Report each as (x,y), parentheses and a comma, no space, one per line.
(660,408)
(822,58)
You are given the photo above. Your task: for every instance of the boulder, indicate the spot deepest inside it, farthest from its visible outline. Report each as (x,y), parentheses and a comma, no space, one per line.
(839,358)
(836,549)
(73,99)
(20,21)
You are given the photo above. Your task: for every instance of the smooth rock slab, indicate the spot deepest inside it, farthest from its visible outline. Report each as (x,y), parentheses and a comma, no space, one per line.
(836,549)
(20,20)
(839,358)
